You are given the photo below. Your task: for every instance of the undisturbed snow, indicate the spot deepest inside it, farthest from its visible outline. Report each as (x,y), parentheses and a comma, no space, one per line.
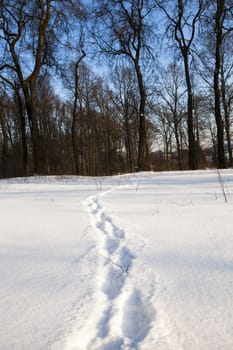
(140,261)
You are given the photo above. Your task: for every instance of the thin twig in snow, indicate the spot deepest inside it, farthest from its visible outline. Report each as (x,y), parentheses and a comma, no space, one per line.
(222,185)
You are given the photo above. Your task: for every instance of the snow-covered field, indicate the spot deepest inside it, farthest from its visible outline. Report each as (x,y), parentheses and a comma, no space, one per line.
(141,261)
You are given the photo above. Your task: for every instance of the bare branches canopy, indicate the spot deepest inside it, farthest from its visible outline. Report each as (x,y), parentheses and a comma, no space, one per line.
(103,87)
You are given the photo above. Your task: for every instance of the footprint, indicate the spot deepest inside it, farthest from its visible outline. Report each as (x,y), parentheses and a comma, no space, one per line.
(113,282)
(93,205)
(111,245)
(137,318)
(108,227)
(113,345)
(118,232)
(125,258)
(103,324)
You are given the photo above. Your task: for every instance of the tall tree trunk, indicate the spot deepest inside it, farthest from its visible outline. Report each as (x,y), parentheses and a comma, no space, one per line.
(217,94)
(128,142)
(226,114)
(143,157)
(75,144)
(75,141)
(5,141)
(191,136)
(30,104)
(178,144)
(23,132)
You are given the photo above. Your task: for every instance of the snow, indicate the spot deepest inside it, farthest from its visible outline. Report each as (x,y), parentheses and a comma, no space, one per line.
(138,261)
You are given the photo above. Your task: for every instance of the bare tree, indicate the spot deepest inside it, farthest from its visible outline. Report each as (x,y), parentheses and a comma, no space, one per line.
(227,94)
(183,16)
(124,31)
(77,110)
(14,28)
(170,89)
(216,60)
(219,16)
(4,136)
(29,33)
(223,15)
(126,104)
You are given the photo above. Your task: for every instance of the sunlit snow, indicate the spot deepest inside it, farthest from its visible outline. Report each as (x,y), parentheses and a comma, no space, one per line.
(139,261)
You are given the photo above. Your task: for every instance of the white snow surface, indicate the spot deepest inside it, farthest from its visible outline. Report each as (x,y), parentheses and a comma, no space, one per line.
(139,261)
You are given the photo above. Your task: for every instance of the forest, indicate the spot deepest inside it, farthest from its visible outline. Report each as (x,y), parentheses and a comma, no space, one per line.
(106,87)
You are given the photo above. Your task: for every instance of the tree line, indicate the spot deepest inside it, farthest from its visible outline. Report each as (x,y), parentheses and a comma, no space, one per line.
(111,86)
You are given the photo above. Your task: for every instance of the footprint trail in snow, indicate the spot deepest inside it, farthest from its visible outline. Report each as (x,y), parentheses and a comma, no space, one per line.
(126,318)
